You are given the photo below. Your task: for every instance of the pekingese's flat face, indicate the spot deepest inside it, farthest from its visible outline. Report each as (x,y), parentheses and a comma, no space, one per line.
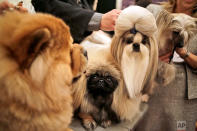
(101,83)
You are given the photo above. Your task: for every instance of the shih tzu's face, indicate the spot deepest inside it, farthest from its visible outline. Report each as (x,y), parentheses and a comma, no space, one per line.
(134,54)
(101,83)
(135,44)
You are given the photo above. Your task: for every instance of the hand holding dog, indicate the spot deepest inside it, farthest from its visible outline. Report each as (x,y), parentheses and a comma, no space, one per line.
(108,20)
(181,51)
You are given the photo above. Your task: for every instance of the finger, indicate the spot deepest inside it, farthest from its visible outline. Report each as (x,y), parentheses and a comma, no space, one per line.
(19,8)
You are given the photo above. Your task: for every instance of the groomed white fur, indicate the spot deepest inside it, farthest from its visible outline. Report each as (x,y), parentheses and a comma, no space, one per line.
(137,16)
(134,67)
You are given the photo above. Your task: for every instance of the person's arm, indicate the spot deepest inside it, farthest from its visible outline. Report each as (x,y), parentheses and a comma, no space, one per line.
(77,18)
(105,22)
(188,57)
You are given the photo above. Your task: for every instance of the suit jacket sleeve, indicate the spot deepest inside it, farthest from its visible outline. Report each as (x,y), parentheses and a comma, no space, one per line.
(73,15)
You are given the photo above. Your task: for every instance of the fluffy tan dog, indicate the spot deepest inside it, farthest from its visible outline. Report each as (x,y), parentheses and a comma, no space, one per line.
(38,63)
(174,30)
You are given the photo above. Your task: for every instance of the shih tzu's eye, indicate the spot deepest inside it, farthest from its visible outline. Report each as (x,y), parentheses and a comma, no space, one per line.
(129,40)
(145,40)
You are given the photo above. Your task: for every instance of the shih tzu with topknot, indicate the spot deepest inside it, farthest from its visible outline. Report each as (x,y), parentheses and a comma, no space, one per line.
(135,50)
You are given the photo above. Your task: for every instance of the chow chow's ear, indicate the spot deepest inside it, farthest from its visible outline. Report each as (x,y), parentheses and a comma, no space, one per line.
(31,45)
(39,40)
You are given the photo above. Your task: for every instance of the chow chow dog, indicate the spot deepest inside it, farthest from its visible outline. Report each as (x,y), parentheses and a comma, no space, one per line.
(38,63)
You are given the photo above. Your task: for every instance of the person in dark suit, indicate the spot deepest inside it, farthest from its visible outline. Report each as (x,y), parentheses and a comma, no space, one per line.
(78,14)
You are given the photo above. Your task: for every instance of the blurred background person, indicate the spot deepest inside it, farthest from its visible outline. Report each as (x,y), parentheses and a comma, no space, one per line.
(79,15)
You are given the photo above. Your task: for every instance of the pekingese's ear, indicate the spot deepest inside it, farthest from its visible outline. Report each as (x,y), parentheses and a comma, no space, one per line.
(77,54)
(28,46)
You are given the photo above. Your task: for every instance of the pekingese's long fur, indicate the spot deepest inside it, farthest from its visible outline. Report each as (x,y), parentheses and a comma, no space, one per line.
(93,92)
(38,63)
(174,30)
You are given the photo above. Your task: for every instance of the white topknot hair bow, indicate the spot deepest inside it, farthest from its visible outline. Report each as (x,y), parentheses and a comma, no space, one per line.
(138,18)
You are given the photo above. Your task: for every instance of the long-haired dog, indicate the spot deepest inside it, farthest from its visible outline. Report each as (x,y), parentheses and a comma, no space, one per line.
(174,30)
(38,63)
(135,50)
(119,75)
(93,92)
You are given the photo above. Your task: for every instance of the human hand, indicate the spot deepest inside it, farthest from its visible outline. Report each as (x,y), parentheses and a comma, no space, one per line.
(181,51)
(108,20)
(166,57)
(5,5)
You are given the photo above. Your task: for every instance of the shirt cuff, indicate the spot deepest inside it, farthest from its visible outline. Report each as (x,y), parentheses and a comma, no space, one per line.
(95,22)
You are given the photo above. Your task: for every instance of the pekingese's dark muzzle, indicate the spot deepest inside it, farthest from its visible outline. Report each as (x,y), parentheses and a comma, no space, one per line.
(101,84)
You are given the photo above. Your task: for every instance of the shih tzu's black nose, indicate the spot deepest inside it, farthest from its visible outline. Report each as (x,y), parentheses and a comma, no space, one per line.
(136,47)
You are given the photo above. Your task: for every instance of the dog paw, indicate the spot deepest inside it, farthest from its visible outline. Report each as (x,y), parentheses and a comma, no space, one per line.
(106,123)
(89,125)
(145,98)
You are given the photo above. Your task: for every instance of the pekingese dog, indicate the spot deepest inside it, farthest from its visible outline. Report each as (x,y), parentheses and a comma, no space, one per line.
(174,30)
(38,63)
(101,79)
